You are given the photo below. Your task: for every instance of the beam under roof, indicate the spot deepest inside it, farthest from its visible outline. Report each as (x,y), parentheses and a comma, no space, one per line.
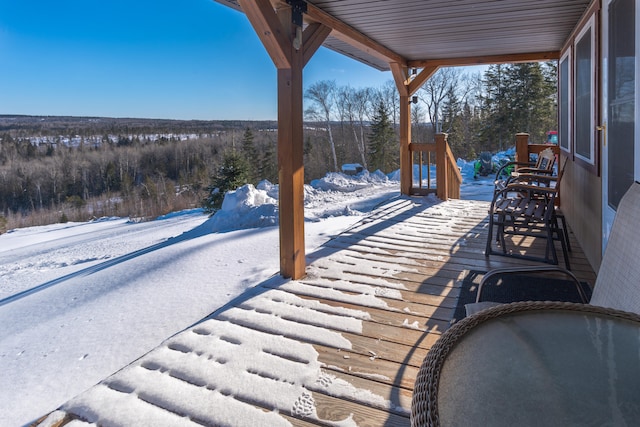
(491,59)
(339,31)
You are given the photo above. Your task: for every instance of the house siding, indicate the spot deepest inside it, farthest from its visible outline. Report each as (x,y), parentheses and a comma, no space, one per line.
(581,192)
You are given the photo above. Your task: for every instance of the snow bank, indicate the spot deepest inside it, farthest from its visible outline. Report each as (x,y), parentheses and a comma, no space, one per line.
(246,207)
(255,207)
(336,194)
(335,181)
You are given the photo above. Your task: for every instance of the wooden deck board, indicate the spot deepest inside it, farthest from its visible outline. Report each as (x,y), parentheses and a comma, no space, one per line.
(374,301)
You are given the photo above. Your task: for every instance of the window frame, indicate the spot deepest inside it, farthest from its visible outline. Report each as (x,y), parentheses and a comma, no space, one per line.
(567,127)
(592,162)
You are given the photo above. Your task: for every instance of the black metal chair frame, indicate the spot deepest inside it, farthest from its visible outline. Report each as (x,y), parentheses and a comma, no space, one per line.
(528,210)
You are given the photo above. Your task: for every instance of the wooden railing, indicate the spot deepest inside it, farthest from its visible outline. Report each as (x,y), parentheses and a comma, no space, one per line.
(524,149)
(447,175)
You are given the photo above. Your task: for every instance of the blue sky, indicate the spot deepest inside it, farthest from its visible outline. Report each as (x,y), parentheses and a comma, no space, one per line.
(180,59)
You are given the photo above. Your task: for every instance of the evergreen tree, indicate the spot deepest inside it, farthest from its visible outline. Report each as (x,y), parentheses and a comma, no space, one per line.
(543,115)
(382,141)
(233,173)
(452,122)
(250,154)
(450,110)
(468,129)
(519,98)
(268,168)
(528,98)
(495,132)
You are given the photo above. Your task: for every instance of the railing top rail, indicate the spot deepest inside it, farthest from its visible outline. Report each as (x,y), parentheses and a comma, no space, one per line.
(422,146)
(454,165)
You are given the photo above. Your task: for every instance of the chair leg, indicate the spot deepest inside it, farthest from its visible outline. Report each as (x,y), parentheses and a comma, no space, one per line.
(564,230)
(500,232)
(562,235)
(496,221)
(487,250)
(550,246)
(510,223)
(564,242)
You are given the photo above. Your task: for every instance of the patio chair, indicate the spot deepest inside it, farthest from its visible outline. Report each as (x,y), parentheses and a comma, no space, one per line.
(617,285)
(543,166)
(526,207)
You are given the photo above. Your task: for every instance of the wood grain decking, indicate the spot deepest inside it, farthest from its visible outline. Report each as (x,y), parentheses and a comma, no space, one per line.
(374,301)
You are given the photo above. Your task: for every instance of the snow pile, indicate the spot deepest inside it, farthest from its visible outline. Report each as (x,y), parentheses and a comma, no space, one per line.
(336,194)
(255,207)
(246,207)
(335,181)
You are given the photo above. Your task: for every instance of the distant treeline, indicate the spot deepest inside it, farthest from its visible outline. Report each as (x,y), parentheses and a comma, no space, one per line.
(73,168)
(29,126)
(135,176)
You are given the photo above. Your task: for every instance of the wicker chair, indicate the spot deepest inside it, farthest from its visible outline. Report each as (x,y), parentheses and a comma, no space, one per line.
(618,283)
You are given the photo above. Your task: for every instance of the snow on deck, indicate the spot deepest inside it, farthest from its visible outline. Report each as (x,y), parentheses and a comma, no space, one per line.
(340,347)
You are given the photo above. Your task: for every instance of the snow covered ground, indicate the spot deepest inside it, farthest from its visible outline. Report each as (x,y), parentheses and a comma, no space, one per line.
(79,301)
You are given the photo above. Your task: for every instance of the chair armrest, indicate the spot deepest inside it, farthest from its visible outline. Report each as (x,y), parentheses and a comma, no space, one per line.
(535,170)
(532,270)
(506,165)
(531,188)
(535,176)
(538,178)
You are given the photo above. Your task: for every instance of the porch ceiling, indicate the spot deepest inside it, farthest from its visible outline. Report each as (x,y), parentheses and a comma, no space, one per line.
(418,31)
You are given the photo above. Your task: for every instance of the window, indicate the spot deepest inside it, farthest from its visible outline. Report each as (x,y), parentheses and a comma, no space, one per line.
(584,87)
(564,89)
(621,99)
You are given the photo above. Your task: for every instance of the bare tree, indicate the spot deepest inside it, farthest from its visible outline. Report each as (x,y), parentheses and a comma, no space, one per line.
(354,106)
(363,105)
(434,93)
(419,129)
(322,94)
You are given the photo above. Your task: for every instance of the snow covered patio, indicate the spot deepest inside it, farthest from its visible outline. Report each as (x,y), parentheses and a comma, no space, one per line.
(341,346)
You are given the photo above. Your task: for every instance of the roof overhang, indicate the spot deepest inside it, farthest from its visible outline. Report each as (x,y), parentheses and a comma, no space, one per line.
(421,33)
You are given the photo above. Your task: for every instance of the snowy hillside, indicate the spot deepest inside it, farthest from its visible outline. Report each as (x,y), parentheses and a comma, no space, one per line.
(79,301)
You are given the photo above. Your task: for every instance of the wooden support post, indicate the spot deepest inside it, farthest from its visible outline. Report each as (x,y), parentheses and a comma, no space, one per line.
(291,170)
(442,173)
(290,158)
(522,149)
(401,75)
(406,88)
(406,163)
(290,48)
